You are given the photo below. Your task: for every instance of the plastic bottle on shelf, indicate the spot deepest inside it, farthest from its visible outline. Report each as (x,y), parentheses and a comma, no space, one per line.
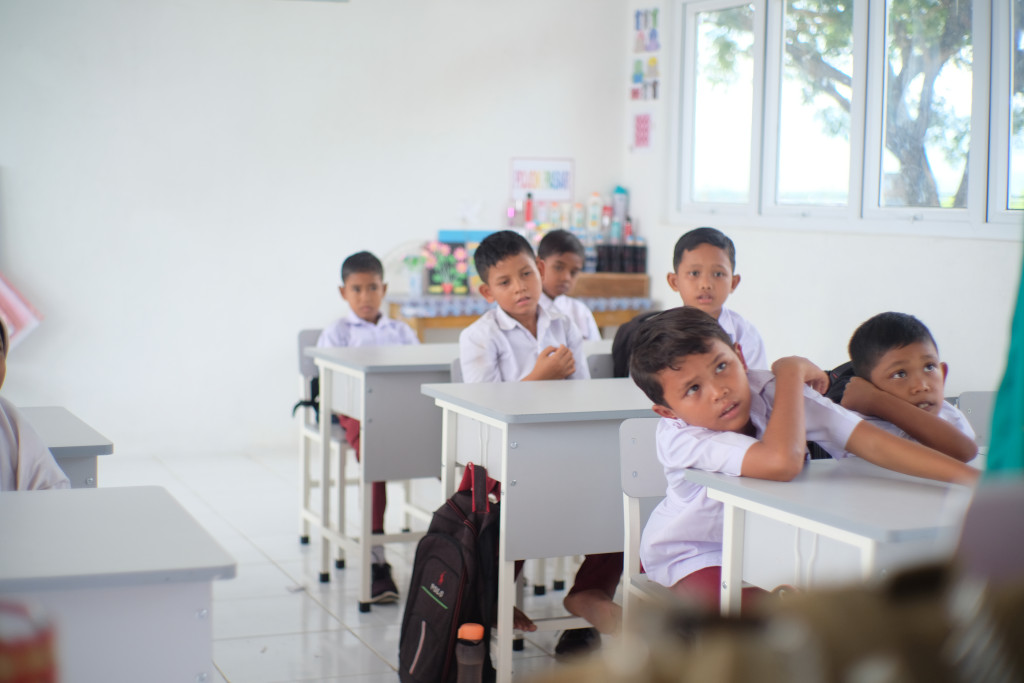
(589,254)
(528,208)
(470,653)
(620,204)
(578,221)
(595,206)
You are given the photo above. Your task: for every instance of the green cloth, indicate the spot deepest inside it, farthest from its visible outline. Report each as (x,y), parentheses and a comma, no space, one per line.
(1006,446)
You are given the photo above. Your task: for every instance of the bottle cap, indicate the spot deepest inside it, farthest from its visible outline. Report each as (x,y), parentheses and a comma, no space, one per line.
(471,632)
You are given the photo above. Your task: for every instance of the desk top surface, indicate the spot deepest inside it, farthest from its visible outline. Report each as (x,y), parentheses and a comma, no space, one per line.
(409,358)
(853,495)
(65,434)
(80,538)
(551,401)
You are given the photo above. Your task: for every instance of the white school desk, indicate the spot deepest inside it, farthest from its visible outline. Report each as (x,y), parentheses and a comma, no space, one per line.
(555,448)
(124,575)
(400,432)
(880,519)
(74,444)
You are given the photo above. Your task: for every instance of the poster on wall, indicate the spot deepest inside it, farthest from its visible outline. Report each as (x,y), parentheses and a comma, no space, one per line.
(547,180)
(645,74)
(641,130)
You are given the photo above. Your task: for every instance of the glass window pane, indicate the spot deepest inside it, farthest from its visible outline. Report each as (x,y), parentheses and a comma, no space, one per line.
(723,101)
(927,114)
(1015,198)
(814,103)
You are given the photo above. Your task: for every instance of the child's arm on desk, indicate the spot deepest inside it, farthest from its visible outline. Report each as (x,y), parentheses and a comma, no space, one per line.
(554,362)
(779,455)
(891,452)
(931,430)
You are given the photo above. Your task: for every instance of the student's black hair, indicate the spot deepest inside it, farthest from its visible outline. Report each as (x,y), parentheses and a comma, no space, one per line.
(497,247)
(699,236)
(881,334)
(3,338)
(558,242)
(361,262)
(661,340)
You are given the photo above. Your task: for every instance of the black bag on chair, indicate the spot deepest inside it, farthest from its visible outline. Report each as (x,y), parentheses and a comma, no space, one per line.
(454,581)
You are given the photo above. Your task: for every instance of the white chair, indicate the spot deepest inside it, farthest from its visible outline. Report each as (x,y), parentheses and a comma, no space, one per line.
(643,487)
(456,372)
(600,365)
(309,437)
(977,406)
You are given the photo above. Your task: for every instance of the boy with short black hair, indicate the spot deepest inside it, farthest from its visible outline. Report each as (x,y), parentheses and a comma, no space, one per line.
(721,417)
(899,385)
(363,289)
(703,272)
(560,257)
(522,340)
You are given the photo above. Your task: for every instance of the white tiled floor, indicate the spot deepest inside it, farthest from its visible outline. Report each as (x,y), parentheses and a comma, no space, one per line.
(275,621)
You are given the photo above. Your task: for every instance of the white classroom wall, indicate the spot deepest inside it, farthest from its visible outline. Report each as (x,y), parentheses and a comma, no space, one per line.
(180,180)
(806,291)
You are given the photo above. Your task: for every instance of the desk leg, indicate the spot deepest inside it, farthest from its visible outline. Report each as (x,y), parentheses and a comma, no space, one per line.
(732,560)
(449,449)
(326,389)
(505,631)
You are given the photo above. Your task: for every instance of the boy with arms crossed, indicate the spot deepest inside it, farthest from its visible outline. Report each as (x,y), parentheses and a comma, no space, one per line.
(721,417)
(521,340)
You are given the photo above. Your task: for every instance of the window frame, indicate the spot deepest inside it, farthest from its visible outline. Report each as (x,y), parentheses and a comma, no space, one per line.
(981,219)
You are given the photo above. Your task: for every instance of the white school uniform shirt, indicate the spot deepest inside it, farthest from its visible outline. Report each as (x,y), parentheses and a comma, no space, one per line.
(684,533)
(497,348)
(948,412)
(576,311)
(354,331)
(747,336)
(26,464)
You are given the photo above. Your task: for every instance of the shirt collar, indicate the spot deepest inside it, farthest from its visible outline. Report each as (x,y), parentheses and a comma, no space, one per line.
(507,322)
(354,319)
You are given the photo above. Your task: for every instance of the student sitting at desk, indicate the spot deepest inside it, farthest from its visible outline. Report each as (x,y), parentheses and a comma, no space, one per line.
(363,288)
(899,383)
(25,461)
(703,272)
(719,416)
(560,261)
(522,340)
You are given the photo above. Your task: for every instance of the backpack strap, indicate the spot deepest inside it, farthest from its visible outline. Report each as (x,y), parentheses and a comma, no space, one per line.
(475,480)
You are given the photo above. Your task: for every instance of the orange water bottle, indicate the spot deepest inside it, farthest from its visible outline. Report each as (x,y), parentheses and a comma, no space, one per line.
(470,653)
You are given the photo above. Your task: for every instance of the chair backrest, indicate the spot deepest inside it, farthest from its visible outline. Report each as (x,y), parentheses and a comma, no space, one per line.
(600,365)
(456,372)
(307,368)
(994,518)
(977,406)
(643,484)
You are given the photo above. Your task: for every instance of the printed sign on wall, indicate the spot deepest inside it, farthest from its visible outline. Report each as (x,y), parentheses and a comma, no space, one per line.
(545,179)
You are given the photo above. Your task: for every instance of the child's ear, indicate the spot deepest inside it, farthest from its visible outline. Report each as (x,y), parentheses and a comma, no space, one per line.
(739,352)
(341,290)
(485,292)
(664,411)
(945,371)
(735,283)
(383,288)
(672,282)
(540,267)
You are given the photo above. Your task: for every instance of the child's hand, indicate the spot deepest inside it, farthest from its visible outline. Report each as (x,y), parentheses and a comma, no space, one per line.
(860,395)
(808,373)
(554,362)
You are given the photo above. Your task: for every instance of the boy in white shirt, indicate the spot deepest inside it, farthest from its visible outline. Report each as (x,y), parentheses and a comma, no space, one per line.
(363,289)
(560,261)
(900,383)
(25,462)
(703,265)
(721,417)
(522,340)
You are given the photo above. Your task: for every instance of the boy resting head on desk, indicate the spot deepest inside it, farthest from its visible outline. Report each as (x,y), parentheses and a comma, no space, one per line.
(522,340)
(363,289)
(703,272)
(899,383)
(719,416)
(560,261)
(25,461)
